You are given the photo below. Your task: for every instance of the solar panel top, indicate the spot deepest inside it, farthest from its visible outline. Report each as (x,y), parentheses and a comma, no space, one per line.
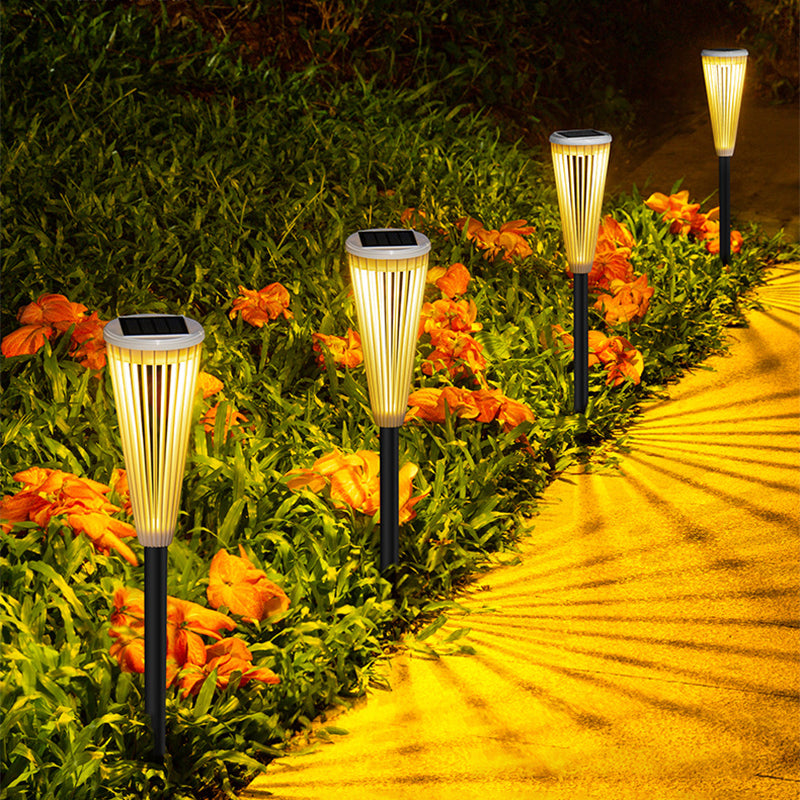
(581,134)
(388,244)
(387,238)
(153,326)
(153,332)
(585,137)
(735,54)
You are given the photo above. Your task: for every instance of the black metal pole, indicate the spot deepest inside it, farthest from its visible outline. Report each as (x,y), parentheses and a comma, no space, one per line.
(155,645)
(580,333)
(390,496)
(725,209)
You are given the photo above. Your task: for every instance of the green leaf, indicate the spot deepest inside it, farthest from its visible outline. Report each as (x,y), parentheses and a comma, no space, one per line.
(231,521)
(205,695)
(432,628)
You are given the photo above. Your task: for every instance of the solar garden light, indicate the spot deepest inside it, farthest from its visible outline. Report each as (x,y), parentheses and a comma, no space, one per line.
(388,268)
(724,70)
(580,161)
(154,361)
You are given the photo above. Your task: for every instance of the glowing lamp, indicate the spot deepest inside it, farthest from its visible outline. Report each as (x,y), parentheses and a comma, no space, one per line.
(580,162)
(724,70)
(154,361)
(388,268)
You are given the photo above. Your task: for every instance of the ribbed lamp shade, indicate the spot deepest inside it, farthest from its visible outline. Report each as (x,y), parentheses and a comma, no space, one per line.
(580,161)
(154,362)
(388,268)
(724,74)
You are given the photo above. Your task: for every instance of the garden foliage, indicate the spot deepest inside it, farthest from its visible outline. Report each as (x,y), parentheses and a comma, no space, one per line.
(124,191)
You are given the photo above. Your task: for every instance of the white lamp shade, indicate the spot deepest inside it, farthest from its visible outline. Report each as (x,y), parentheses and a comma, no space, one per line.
(724,74)
(154,361)
(580,161)
(388,268)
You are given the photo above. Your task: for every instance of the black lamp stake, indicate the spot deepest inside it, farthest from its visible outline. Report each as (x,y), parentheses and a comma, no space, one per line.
(390,496)
(155,645)
(725,209)
(580,313)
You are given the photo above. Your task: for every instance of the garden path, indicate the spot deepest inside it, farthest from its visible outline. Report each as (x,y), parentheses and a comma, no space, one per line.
(647,643)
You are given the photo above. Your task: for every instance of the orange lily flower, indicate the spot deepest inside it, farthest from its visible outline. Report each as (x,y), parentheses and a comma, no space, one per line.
(232,417)
(407,474)
(619,357)
(616,235)
(356,483)
(87,343)
(474,227)
(226,657)
(489,403)
(513,413)
(52,493)
(508,240)
(414,217)
(461,403)
(127,628)
(710,233)
(629,301)
(234,582)
(481,405)
(454,282)
(455,315)
(432,404)
(701,224)
(52,310)
(616,354)
(611,257)
(25,341)
(259,307)
(128,608)
(21,507)
(345,350)
(186,622)
(119,484)
(105,532)
(47,480)
(209,384)
(454,351)
(687,219)
(609,266)
(48,314)
(353,480)
(675,209)
(425,405)
(128,649)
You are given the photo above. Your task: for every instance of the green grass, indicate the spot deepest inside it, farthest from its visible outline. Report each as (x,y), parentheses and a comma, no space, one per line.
(126,192)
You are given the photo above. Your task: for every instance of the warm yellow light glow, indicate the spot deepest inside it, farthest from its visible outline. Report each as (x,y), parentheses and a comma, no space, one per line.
(154,393)
(580,161)
(388,294)
(724,74)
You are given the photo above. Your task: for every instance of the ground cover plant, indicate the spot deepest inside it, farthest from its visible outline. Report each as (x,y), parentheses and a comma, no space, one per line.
(123,191)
